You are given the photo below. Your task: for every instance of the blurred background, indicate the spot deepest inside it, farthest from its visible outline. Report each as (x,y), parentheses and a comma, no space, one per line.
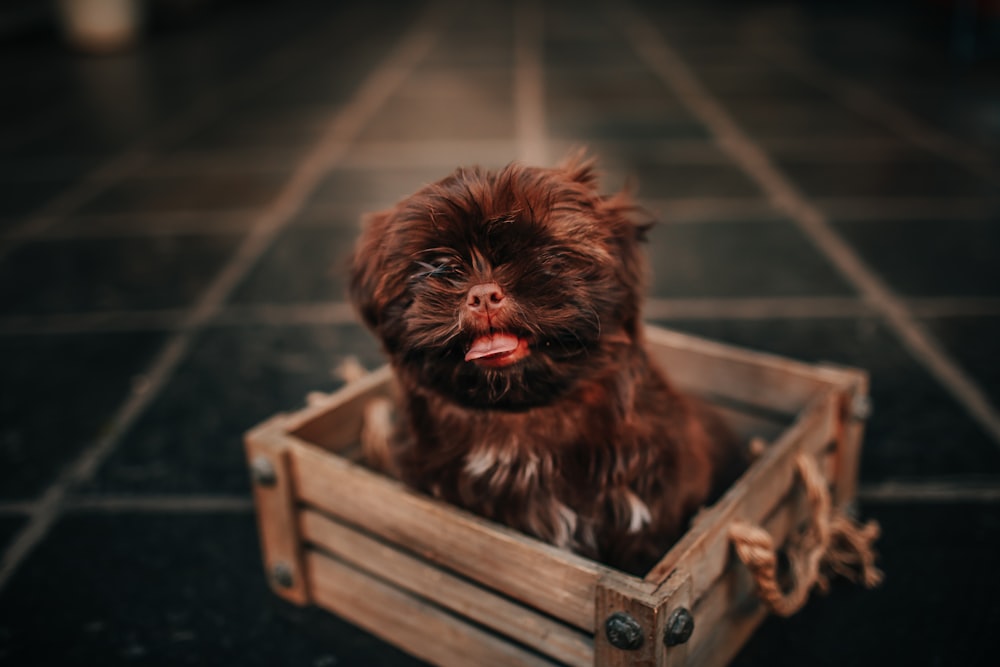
(181,181)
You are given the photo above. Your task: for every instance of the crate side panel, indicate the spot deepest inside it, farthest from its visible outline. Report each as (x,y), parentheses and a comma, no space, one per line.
(556,582)
(403,620)
(541,633)
(712,369)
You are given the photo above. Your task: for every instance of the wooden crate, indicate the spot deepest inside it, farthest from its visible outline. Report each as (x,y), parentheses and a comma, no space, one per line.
(454,589)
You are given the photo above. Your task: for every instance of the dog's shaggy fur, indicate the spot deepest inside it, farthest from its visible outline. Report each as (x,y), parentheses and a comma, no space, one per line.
(508,303)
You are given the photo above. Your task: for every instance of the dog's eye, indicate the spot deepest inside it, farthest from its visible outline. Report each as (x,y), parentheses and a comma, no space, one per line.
(554,262)
(441,270)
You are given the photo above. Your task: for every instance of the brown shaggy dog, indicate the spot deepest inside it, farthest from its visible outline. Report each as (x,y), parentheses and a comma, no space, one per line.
(509,305)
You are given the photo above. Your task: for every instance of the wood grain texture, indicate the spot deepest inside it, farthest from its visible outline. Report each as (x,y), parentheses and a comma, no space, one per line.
(549,579)
(407,622)
(275,509)
(411,574)
(758,379)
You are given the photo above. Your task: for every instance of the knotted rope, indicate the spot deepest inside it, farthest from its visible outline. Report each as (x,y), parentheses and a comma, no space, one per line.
(835,544)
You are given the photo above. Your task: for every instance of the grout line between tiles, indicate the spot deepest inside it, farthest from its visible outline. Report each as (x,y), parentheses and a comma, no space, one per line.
(529,84)
(346,125)
(930,491)
(173,504)
(666,64)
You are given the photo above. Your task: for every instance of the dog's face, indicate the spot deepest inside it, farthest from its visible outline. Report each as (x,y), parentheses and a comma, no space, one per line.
(501,290)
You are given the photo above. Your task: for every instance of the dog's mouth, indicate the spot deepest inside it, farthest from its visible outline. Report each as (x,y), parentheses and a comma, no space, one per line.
(497,350)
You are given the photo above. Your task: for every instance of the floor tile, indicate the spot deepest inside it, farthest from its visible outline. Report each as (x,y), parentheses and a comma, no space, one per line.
(431,119)
(585,54)
(916,431)
(22,199)
(591,126)
(924,178)
(475,90)
(379,188)
(946,552)
(930,257)
(740,82)
(111,274)
(279,132)
(608,90)
(770,119)
(163,589)
(9,526)
(738,259)
(446,104)
(618,155)
(305,264)
(936,606)
(195,192)
(660,180)
(77,139)
(969,117)
(974,342)
(57,394)
(240,376)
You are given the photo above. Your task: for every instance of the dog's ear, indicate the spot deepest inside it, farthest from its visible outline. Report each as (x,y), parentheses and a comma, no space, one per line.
(368,268)
(580,167)
(630,224)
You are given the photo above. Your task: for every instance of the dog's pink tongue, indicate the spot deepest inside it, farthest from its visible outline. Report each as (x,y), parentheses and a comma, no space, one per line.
(488,346)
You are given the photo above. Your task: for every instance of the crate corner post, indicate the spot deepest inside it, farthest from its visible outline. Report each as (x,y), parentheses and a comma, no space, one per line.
(271,478)
(855,410)
(629,623)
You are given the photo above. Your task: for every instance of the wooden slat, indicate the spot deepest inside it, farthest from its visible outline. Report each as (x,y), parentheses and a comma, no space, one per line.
(703,550)
(401,619)
(713,369)
(281,545)
(551,580)
(526,626)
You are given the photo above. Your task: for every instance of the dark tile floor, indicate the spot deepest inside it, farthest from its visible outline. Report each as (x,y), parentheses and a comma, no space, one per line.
(174,222)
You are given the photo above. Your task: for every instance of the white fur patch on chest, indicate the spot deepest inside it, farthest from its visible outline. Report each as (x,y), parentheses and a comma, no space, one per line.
(637,512)
(503,465)
(481,460)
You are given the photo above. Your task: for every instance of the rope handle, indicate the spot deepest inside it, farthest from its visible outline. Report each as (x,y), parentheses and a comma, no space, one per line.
(832,544)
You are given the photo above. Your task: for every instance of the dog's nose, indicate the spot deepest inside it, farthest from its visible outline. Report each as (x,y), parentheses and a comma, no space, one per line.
(485,298)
